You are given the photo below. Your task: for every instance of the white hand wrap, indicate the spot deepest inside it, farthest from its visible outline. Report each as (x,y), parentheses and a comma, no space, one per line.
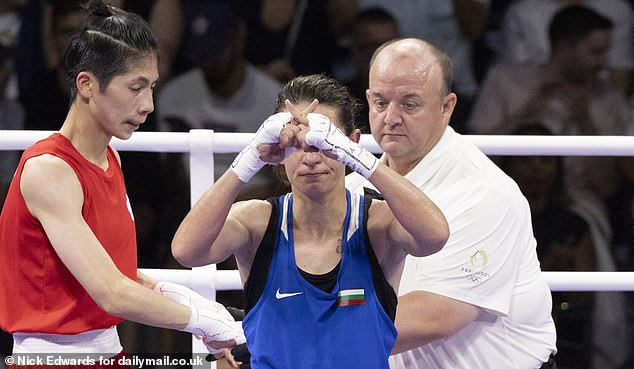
(209,320)
(248,161)
(328,138)
(210,324)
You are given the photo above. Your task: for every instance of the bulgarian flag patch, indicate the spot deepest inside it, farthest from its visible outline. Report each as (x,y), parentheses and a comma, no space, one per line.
(351,297)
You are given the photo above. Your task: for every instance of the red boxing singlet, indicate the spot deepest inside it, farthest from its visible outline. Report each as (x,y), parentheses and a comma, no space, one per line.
(37,292)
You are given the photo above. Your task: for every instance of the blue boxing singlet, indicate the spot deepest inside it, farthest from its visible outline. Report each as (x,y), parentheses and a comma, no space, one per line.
(293,324)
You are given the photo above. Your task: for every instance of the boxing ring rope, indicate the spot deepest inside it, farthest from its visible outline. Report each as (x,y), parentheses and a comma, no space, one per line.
(202,144)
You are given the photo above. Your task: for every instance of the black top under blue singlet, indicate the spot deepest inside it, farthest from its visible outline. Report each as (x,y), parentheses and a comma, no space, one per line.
(292,324)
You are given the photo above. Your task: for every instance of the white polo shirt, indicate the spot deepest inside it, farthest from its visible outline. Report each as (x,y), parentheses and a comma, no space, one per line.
(489,261)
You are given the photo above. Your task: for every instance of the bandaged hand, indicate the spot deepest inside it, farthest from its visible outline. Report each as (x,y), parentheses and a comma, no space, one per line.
(210,320)
(216,332)
(328,138)
(263,149)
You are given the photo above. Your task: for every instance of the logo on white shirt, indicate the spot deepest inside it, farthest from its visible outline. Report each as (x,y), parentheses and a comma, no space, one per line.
(474,269)
(279,295)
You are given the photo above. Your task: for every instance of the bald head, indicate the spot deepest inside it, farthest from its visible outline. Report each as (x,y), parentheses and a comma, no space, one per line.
(412,56)
(410,100)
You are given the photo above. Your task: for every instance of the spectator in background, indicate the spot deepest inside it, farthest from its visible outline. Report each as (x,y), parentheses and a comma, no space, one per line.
(566,94)
(452,25)
(564,243)
(223,92)
(286,38)
(525,37)
(370,29)
(566,91)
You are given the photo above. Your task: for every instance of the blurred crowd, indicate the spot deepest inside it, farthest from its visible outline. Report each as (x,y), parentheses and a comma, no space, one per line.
(531,67)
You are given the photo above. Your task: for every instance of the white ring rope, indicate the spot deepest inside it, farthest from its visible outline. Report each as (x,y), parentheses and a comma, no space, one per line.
(234,142)
(558,281)
(200,143)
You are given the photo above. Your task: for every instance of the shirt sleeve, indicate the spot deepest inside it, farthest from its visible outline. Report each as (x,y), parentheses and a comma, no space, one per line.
(479,263)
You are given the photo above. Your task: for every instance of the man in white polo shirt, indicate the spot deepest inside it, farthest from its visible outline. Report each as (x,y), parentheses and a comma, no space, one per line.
(482,301)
